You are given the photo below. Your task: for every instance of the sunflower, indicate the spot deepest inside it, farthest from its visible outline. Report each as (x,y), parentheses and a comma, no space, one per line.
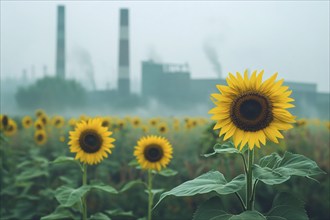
(250,110)
(58,121)
(91,141)
(11,128)
(27,121)
(136,122)
(301,122)
(3,122)
(162,128)
(153,152)
(153,121)
(38,125)
(120,124)
(145,128)
(106,122)
(40,137)
(40,113)
(44,119)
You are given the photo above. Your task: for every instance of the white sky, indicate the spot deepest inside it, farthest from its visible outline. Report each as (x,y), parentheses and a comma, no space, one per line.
(289,37)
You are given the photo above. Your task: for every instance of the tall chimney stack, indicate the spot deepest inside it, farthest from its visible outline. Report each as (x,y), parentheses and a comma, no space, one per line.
(123,78)
(60,42)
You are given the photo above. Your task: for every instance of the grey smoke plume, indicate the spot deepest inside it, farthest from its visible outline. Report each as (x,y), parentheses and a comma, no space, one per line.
(213,57)
(84,66)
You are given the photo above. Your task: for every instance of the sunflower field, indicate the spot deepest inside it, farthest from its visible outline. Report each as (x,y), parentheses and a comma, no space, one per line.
(38,169)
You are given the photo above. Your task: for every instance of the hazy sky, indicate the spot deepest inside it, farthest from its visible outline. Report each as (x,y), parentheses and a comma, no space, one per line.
(289,37)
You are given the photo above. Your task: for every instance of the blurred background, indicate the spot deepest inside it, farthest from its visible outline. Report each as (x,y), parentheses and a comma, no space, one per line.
(157,58)
(148,68)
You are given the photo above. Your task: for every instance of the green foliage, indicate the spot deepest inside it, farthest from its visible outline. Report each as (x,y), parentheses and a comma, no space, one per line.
(275,170)
(208,182)
(209,210)
(223,149)
(64,159)
(51,93)
(68,196)
(286,207)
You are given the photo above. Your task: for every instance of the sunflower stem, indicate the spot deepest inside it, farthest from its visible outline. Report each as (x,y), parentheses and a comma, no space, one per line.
(249,180)
(84,180)
(150,198)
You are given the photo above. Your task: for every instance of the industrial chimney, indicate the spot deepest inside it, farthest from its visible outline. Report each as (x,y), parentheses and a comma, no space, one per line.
(123,68)
(60,42)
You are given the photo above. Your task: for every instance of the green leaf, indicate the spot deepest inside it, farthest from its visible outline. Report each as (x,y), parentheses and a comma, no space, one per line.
(63,159)
(60,213)
(268,175)
(226,148)
(269,160)
(276,170)
(31,174)
(167,172)
(68,196)
(154,191)
(287,207)
(99,216)
(247,215)
(120,213)
(103,187)
(211,181)
(130,184)
(210,210)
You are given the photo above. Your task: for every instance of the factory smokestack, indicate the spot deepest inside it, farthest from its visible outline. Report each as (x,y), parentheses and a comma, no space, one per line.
(123,68)
(60,42)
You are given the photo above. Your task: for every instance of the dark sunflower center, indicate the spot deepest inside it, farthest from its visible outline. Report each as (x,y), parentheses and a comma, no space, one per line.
(57,122)
(40,137)
(39,127)
(251,111)
(90,141)
(162,129)
(105,124)
(5,121)
(44,121)
(153,153)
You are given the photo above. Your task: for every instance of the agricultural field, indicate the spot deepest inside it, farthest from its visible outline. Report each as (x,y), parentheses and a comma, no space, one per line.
(36,163)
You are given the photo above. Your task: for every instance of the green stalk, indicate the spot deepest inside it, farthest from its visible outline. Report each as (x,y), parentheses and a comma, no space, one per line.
(84,180)
(249,187)
(150,199)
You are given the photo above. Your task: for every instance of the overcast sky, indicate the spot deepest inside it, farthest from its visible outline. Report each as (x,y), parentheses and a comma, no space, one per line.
(289,37)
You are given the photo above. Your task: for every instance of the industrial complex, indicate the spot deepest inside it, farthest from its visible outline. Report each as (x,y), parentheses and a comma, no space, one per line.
(171,84)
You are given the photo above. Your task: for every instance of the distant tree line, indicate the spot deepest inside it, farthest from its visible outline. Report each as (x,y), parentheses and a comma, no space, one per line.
(51,93)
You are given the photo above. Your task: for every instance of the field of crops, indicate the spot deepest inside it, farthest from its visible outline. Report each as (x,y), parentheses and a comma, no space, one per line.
(35,165)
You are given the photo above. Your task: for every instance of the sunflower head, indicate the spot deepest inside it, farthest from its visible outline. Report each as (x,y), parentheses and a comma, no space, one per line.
(10,128)
(58,121)
(136,122)
(40,112)
(250,110)
(301,122)
(39,125)
(40,137)
(153,121)
(162,128)
(4,120)
(27,121)
(153,152)
(90,141)
(106,122)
